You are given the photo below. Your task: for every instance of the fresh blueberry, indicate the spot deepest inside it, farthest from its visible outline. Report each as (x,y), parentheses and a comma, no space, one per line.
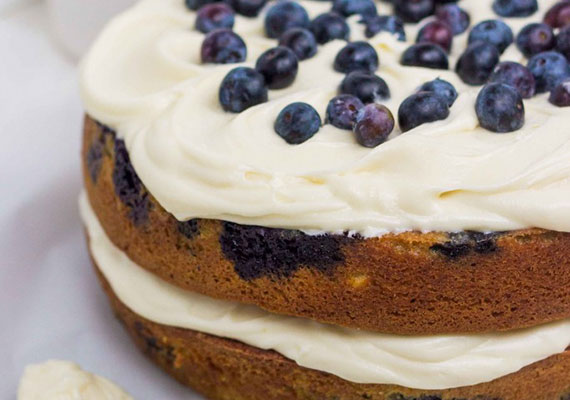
(284,16)
(500,108)
(248,8)
(559,15)
(242,88)
(563,42)
(384,23)
(223,46)
(560,96)
(374,123)
(515,8)
(342,111)
(515,75)
(442,88)
(421,108)
(329,26)
(356,56)
(346,8)
(535,38)
(278,66)
(436,32)
(214,16)
(427,55)
(477,63)
(548,69)
(413,10)
(492,31)
(297,123)
(301,41)
(454,16)
(128,186)
(369,88)
(196,4)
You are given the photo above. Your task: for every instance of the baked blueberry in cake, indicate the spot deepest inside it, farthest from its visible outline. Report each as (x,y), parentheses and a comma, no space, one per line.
(340,199)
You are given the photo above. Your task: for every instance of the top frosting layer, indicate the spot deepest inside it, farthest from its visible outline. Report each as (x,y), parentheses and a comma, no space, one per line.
(143,77)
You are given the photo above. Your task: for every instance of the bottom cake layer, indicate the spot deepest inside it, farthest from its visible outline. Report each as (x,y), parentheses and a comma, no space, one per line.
(225,369)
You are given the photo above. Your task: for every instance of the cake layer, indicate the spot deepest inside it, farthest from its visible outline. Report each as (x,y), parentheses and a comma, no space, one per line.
(144,78)
(428,362)
(407,283)
(224,369)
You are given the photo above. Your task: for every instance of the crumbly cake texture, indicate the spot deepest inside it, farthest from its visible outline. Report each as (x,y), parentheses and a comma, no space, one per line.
(224,369)
(409,283)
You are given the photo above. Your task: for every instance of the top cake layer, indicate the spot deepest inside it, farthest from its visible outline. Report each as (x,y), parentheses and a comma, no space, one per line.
(144,78)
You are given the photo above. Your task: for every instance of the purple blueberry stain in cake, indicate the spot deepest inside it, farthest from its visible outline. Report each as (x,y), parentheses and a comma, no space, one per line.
(278,253)
(223,46)
(356,56)
(96,151)
(128,186)
(425,55)
(283,16)
(461,244)
(153,345)
(188,228)
(384,23)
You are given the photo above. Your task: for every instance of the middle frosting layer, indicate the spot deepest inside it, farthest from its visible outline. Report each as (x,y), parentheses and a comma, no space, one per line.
(143,77)
(431,362)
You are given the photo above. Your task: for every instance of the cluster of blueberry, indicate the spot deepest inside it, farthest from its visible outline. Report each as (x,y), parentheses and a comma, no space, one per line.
(499,105)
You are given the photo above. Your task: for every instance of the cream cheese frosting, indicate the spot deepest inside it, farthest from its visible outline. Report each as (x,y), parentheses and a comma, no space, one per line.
(64,380)
(430,362)
(143,77)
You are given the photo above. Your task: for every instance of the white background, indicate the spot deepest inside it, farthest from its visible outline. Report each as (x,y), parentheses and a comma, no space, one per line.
(50,302)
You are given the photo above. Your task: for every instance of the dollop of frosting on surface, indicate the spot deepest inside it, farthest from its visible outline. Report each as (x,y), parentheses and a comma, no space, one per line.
(143,77)
(428,362)
(64,380)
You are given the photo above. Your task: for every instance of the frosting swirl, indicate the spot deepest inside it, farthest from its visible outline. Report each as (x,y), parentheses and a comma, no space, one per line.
(143,77)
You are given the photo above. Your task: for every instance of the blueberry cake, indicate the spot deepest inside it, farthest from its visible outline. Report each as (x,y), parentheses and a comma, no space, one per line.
(339,199)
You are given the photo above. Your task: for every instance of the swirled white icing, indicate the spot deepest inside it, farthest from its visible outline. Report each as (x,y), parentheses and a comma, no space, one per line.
(143,77)
(63,380)
(434,362)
